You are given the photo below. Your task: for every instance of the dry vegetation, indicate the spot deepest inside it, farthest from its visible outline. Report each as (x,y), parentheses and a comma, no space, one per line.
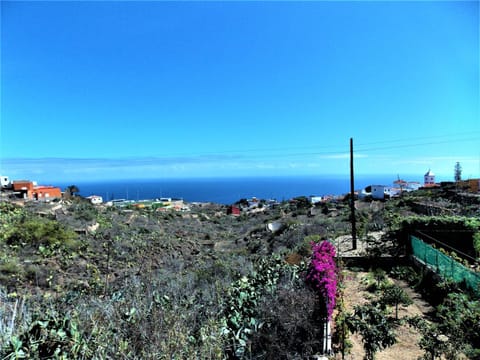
(78,281)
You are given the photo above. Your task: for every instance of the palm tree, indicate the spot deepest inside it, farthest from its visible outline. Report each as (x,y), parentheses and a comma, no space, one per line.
(71,191)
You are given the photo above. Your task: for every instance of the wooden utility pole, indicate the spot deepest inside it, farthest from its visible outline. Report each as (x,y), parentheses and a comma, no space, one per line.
(352,198)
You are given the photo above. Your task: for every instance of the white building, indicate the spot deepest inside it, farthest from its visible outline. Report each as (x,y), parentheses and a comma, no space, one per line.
(5,182)
(315,199)
(378,191)
(412,186)
(95,199)
(429,178)
(382,192)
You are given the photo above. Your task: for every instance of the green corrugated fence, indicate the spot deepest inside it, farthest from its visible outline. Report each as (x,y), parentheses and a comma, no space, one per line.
(444,265)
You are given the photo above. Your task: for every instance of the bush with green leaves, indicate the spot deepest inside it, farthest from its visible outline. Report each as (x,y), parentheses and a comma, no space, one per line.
(20,227)
(459,317)
(49,336)
(341,336)
(376,328)
(305,247)
(38,232)
(394,295)
(10,215)
(476,244)
(457,232)
(241,315)
(83,210)
(406,273)
(433,342)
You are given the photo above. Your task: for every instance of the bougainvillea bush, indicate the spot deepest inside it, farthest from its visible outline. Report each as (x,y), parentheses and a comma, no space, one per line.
(322,273)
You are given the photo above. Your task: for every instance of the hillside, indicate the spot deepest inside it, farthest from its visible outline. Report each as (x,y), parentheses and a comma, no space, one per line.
(87,281)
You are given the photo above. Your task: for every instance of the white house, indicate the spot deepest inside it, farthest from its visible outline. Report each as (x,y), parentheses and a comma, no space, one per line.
(364,193)
(378,191)
(315,199)
(5,182)
(382,192)
(95,199)
(429,178)
(412,186)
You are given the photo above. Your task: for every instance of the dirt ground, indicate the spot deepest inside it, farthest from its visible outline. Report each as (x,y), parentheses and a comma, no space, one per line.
(406,347)
(344,244)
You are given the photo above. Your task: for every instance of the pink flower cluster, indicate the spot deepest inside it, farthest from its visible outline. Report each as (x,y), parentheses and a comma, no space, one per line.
(322,273)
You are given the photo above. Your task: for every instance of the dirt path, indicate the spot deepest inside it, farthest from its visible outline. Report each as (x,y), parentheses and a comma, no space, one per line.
(406,347)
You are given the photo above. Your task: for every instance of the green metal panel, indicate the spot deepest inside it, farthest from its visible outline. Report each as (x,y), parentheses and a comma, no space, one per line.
(444,265)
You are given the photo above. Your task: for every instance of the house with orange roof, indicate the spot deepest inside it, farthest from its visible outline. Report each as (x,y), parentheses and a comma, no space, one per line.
(46,192)
(30,190)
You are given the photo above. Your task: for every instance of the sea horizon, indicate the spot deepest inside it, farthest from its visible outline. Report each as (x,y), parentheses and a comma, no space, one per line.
(228,190)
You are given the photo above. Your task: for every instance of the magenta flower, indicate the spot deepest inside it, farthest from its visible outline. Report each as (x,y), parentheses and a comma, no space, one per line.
(322,273)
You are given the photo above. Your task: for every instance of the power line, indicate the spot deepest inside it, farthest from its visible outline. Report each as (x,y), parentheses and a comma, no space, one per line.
(448,136)
(343,150)
(451,139)
(420,144)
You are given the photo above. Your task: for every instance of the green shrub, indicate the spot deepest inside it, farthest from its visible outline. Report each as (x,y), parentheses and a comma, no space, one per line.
(476,243)
(305,247)
(10,215)
(406,273)
(48,336)
(11,270)
(395,295)
(459,318)
(39,231)
(83,210)
(10,266)
(372,323)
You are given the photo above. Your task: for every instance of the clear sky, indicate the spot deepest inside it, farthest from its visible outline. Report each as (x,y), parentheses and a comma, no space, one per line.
(113,89)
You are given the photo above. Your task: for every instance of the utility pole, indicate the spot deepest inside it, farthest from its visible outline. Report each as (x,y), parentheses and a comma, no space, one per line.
(352,198)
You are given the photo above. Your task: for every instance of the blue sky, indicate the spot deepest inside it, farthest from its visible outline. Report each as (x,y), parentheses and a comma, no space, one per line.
(109,89)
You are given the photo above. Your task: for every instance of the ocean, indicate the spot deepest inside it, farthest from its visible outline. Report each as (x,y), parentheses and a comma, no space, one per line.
(226,190)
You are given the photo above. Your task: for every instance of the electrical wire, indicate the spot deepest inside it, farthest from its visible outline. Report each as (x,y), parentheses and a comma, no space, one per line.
(317,150)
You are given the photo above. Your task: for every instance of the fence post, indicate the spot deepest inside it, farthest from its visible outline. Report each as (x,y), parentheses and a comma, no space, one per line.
(452,267)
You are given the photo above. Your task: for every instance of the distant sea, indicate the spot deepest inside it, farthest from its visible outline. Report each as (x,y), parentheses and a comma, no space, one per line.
(226,190)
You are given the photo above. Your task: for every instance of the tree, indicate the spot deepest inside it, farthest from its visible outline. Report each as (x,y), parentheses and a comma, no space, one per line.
(71,191)
(374,326)
(432,342)
(457,329)
(459,317)
(458,172)
(380,276)
(476,243)
(395,295)
(341,335)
